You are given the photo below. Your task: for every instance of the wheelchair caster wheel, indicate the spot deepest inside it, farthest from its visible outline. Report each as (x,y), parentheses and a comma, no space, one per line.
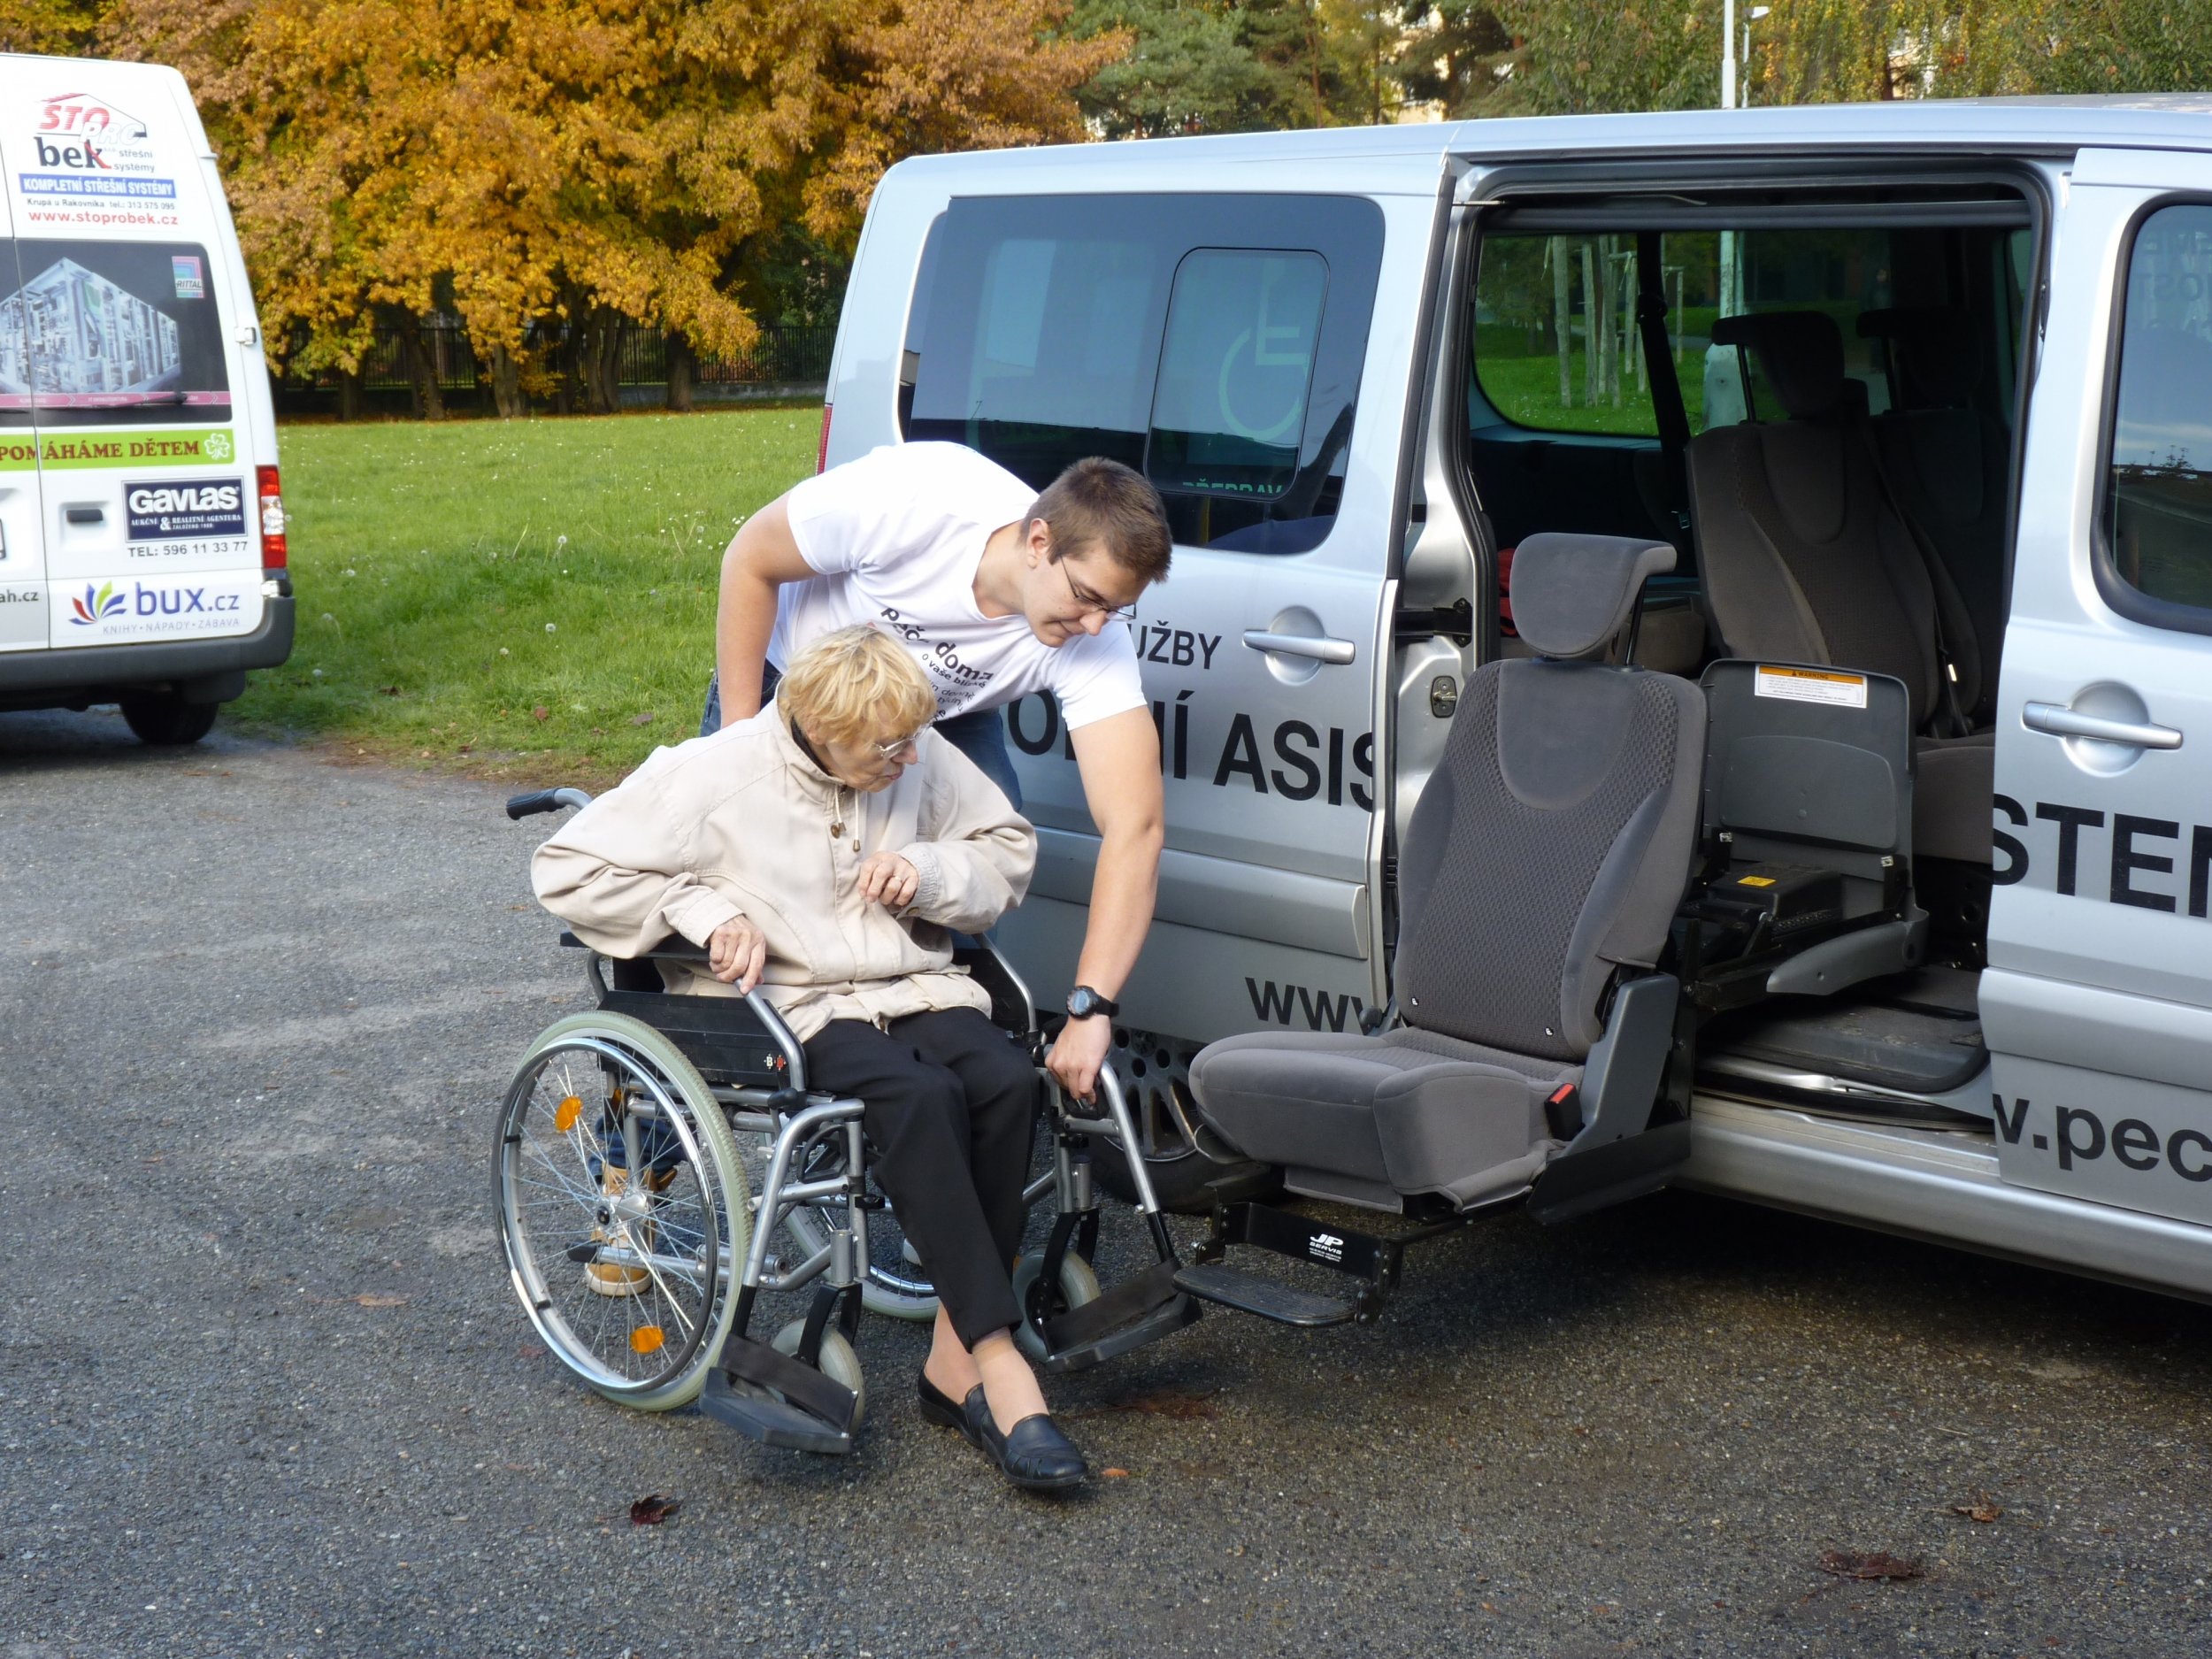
(1077,1285)
(838,1363)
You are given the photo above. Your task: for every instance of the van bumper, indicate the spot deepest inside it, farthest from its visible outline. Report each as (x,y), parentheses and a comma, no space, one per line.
(200,671)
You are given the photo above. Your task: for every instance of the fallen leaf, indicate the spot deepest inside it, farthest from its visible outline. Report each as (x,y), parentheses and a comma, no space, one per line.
(1167,1402)
(1489,1607)
(653,1510)
(1851,1563)
(541,712)
(1983,1508)
(641,719)
(381,1299)
(1115,1474)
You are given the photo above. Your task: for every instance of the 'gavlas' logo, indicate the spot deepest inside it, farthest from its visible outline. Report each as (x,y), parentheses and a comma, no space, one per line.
(88,134)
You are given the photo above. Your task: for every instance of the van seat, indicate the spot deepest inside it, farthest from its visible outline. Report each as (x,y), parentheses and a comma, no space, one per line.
(1946,460)
(1805,560)
(1543,865)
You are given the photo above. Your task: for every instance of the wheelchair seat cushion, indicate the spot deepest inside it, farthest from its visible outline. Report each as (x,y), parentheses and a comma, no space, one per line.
(1409,1111)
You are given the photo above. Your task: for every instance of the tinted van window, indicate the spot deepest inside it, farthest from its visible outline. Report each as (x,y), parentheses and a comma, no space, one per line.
(1213,342)
(112,334)
(2158,506)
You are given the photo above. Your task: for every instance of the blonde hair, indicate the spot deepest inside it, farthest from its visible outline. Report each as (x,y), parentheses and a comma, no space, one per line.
(855,686)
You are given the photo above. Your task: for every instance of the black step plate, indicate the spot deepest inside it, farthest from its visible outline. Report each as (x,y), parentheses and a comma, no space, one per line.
(1271,1299)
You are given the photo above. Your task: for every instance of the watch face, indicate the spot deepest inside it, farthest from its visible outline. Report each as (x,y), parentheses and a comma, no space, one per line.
(1084,1001)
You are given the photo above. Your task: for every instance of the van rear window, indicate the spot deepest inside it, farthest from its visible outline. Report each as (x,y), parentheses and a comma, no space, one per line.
(1212,343)
(110,334)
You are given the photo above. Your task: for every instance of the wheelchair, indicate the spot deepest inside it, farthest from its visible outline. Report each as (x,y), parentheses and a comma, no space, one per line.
(661,1167)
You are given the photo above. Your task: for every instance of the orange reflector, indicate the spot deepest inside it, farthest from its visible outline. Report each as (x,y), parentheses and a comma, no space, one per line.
(565,1113)
(647,1338)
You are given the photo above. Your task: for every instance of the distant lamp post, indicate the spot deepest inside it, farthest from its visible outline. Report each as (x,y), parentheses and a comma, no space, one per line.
(1731,96)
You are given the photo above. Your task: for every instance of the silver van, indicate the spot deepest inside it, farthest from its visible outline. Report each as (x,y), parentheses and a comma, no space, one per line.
(141,525)
(1920,394)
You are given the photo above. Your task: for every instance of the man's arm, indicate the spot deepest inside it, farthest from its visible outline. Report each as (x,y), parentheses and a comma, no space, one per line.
(761,557)
(1119,760)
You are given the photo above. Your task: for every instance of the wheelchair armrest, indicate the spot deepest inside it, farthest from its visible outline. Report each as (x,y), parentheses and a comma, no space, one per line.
(676,948)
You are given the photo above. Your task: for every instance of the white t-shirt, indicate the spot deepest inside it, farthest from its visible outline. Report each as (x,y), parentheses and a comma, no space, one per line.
(897,536)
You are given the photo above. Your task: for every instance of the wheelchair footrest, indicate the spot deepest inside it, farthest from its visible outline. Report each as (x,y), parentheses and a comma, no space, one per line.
(1137,1311)
(815,1413)
(1269,1298)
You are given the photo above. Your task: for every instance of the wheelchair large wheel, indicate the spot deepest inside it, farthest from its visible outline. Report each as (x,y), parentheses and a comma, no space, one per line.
(630,1283)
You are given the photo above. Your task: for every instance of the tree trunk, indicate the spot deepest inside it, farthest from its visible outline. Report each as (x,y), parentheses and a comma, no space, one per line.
(683,370)
(1563,321)
(1591,326)
(507,384)
(607,365)
(428,399)
(348,393)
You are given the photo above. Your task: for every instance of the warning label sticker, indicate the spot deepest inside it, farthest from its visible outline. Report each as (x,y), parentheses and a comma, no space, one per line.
(1811,685)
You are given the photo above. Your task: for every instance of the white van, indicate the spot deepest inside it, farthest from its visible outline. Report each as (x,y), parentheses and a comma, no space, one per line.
(1920,393)
(141,530)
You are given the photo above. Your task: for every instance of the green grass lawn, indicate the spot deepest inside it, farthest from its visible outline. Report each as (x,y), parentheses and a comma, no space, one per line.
(533,599)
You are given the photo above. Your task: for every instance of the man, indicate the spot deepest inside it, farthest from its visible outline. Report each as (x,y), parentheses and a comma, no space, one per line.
(998,592)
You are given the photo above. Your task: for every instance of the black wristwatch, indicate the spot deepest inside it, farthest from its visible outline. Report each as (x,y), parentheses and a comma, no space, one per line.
(1084,1001)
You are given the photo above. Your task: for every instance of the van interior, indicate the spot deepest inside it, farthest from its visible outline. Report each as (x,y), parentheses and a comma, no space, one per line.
(1813,392)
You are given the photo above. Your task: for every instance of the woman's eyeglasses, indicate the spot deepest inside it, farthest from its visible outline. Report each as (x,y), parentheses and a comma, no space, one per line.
(898,746)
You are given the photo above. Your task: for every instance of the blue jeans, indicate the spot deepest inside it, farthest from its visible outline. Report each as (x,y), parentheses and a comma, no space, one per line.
(980,735)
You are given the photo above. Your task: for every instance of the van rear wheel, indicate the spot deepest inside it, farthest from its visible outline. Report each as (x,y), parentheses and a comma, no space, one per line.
(165,720)
(1153,1071)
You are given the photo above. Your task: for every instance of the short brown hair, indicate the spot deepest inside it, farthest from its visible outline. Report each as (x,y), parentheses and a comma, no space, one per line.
(856,684)
(1101,503)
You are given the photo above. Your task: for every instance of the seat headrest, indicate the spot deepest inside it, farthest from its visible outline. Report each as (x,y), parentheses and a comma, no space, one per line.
(1571,594)
(1936,350)
(1801,352)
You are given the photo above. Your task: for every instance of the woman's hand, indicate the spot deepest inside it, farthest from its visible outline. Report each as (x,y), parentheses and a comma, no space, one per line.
(889,880)
(737,952)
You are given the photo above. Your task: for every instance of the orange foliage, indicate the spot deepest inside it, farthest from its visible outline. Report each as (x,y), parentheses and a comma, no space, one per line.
(526,159)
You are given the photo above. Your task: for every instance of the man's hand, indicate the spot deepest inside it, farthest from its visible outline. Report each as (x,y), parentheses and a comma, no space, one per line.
(1078,1053)
(737,953)
(889,880)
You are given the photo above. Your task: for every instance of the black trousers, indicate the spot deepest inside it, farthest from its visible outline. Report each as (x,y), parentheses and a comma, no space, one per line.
(950,1101)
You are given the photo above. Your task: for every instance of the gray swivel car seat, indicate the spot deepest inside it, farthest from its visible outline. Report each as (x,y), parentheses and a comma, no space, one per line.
(1805,559)
(1539,878)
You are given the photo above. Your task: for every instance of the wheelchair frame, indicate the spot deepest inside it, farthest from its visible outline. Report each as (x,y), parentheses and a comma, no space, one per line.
(802,1389)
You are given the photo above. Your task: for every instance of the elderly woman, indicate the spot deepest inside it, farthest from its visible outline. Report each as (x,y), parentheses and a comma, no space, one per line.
(822,850)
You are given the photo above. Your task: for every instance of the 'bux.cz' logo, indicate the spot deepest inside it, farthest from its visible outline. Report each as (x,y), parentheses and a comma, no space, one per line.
(98,604)
(95,604)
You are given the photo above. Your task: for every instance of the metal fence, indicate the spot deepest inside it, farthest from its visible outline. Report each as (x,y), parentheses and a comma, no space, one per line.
(794,358)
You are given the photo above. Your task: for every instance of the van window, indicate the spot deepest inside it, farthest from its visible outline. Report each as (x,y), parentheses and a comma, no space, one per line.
(112,334)
(1214,343)
(2158,506)
(1557,347)
(1230,407)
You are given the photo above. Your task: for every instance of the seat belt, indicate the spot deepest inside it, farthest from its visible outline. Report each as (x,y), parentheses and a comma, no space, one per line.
(1951,717)
(1672,419)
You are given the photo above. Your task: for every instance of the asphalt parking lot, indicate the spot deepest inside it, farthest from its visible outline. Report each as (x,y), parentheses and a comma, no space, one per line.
(263,1388)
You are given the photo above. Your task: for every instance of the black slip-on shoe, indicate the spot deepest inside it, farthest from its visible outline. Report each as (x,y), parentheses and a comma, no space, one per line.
(940,1408)
(1034,1455)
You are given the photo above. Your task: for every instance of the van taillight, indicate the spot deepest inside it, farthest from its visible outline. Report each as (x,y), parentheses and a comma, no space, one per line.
(274,557)
(821,453)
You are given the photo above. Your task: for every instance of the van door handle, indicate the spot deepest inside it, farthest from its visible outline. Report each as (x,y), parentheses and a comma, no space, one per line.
(85,515)
(2061,721)
(1321,648)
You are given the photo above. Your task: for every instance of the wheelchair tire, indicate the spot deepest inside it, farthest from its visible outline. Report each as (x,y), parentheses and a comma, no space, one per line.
(838,1363)
(648,1347)
(1078,1284)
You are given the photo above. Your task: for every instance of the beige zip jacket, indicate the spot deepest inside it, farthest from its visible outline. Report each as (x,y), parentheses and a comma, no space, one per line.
(742,823)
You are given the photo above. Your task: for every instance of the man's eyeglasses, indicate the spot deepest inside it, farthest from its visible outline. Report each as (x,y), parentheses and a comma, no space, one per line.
(897,747)
(1092,602)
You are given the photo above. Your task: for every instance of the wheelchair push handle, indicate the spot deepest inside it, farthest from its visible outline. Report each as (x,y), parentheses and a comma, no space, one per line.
(522,806)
